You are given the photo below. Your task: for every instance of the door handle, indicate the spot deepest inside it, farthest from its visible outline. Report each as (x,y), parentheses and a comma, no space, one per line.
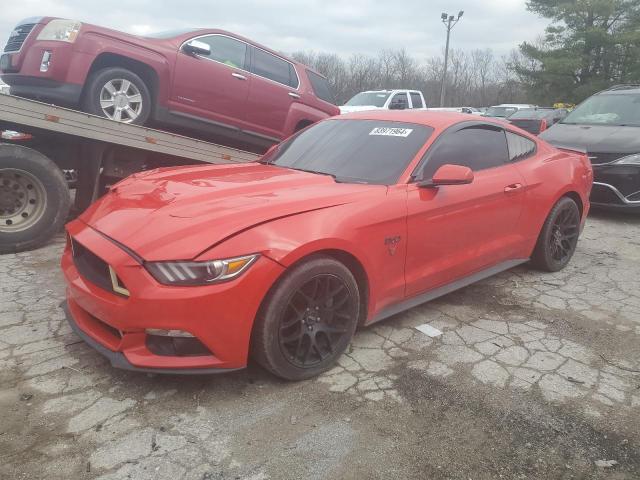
(514,187)
(238,76)
(294,95)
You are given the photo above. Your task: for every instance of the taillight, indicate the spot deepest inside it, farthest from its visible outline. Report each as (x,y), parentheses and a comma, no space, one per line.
(543,125)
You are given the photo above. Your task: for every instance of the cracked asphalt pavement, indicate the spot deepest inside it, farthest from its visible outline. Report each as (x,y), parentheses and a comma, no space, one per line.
(535,376)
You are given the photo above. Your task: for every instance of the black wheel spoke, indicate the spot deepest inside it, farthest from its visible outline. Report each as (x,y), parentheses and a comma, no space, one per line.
(316,322)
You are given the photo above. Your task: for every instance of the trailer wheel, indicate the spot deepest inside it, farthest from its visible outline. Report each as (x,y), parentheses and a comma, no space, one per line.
(34,199)
(118,94)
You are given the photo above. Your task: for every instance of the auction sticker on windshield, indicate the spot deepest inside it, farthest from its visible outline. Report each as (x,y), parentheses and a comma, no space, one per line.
(391,132)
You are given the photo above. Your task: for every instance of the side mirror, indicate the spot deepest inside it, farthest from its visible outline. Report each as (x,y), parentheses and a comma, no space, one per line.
(449,175)
(195,47)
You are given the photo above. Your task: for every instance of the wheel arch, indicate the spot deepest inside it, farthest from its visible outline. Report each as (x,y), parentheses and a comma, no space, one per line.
(349,260)
(575,196)
(146,72)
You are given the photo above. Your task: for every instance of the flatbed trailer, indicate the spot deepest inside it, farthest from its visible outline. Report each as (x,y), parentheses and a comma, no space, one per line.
(93,152)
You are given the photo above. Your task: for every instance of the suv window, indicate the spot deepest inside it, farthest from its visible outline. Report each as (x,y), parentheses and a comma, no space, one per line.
(226,50)
(416,100)
(321,87)
(477,147)
(399,102)
(519,146)
(274,68)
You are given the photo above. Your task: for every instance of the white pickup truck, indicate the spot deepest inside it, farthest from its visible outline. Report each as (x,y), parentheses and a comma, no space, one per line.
(385,100)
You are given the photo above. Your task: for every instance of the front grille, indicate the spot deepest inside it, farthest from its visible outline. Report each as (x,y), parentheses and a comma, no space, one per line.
(18,36)
(602,194)
(602,158)
(92,267)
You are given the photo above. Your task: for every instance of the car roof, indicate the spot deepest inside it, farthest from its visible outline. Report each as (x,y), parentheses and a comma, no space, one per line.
(390,91)
(621,89)
(436,119)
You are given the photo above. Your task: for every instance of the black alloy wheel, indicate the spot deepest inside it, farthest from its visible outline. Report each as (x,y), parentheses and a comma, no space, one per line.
(307,319)
(559,237)
(316,320)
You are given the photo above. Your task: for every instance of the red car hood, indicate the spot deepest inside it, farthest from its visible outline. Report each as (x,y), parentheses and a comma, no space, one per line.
(178,213)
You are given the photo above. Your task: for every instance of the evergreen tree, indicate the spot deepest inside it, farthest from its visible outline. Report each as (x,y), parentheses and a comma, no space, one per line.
(589,45)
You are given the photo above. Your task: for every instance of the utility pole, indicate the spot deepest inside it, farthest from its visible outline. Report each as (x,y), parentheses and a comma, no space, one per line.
(449,22)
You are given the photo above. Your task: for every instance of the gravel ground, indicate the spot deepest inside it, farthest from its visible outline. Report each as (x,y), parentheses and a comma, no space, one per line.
(536,376)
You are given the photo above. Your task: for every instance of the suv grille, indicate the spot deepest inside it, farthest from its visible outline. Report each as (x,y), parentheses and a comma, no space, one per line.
(18,36)
(602,158)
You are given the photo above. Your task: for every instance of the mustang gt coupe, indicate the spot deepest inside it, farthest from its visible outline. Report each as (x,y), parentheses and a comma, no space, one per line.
(350,221)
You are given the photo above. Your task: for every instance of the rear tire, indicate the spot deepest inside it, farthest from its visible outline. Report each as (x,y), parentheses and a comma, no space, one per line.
(118,94)
(558,238)
(34,199)
(307,320)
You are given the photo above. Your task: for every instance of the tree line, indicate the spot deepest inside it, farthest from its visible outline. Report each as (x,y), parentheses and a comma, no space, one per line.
(476,79)
(589,45)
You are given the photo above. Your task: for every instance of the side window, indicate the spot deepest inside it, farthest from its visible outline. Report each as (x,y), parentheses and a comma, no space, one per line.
(274,68)
(399,102)
(478,148)
(321,87)
(416,100)
(519,146)
(226,50)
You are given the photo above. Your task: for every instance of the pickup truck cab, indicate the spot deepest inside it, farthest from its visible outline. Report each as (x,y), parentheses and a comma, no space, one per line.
(385,100)
(207,81)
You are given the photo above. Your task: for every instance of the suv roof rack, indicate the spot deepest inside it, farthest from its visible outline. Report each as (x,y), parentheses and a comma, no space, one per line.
(623,86)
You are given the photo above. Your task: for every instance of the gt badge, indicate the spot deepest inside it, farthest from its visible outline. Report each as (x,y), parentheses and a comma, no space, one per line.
(392,244)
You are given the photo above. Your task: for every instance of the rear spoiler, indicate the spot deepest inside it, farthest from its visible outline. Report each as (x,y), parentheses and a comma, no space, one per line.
(571,148)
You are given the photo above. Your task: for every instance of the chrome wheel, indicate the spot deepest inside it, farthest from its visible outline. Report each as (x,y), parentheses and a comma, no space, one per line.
(121,100)
(23,200)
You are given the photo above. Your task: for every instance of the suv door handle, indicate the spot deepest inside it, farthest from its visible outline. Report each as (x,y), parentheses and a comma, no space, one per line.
(294,95)
(238,76)
(514,187)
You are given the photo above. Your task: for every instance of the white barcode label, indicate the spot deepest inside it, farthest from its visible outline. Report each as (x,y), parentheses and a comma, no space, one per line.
(391,132)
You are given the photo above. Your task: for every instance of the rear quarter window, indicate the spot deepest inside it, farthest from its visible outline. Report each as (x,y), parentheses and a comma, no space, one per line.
(321,87)
(519,146)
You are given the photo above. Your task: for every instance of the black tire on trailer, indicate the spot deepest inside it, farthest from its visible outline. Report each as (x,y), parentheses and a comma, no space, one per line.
(118,94)
(558,238)
(307,320)
(34,199)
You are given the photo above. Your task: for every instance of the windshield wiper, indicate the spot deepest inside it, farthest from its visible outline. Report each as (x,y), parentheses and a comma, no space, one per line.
(335,177)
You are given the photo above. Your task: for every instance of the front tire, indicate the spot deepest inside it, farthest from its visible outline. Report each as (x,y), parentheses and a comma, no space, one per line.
(559,237)
(34,199)
(118,94)
(307,320)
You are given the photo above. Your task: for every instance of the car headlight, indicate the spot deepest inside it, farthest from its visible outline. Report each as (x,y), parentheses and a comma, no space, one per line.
(200,273)
(629,160)
(61,30)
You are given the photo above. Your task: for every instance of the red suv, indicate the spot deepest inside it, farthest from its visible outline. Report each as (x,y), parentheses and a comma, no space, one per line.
(206,80)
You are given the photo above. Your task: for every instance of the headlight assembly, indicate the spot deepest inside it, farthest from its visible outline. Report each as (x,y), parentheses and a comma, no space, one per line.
(629,160)
(61,30)
(199,273)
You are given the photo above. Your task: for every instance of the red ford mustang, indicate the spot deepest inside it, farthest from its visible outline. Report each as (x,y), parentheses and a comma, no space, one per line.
(357,218)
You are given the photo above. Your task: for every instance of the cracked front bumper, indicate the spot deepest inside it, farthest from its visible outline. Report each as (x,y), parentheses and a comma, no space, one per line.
(219,316)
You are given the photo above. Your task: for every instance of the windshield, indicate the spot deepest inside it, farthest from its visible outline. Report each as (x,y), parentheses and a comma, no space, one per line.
(502,112)
(369,99)
(353,151)
(607,109)
(531,114)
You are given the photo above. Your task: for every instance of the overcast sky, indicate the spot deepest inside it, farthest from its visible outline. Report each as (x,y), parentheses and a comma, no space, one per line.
(343,27)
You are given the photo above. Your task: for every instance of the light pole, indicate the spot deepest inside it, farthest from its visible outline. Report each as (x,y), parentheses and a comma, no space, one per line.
(449,22)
